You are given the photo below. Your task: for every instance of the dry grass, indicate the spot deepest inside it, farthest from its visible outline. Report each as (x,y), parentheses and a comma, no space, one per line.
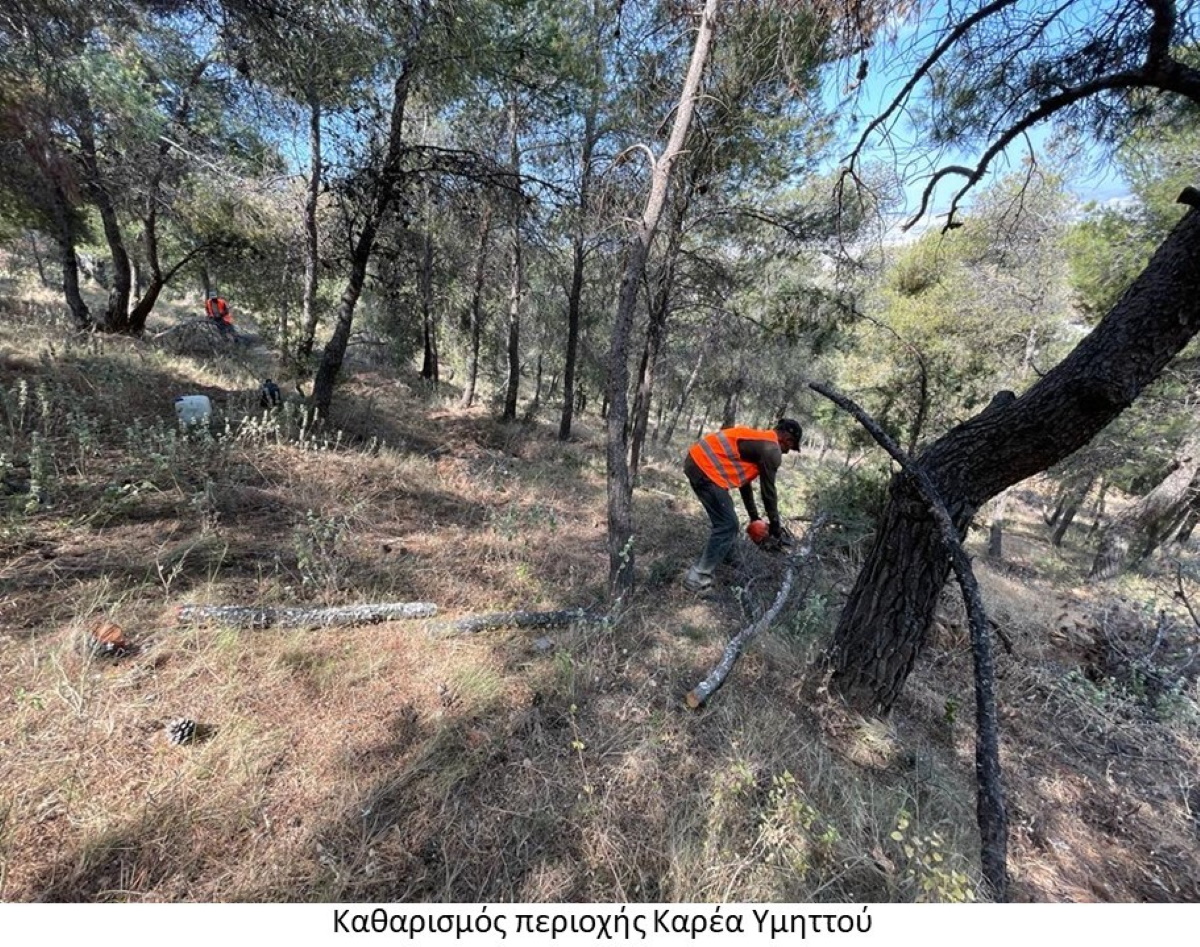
(387,763)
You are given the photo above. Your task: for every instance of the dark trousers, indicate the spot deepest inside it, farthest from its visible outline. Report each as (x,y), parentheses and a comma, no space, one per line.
(718,504)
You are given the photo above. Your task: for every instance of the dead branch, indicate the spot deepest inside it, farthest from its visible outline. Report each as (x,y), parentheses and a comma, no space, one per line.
(923,70)
(470,624)
(265,616)
(705,689)
(1181,594)
(990,810)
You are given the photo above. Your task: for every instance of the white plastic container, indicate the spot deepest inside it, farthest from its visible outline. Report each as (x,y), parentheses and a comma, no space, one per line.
(193,410)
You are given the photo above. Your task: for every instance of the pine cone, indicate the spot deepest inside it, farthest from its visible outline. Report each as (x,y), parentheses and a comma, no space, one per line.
(181,731)
(106,639)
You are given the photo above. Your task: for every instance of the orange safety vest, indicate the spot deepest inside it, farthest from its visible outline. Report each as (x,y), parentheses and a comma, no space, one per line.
(217,309)
(716,454)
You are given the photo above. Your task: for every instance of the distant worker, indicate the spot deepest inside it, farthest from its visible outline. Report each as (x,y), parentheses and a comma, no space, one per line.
(269,395)
(734,458)
(218,311)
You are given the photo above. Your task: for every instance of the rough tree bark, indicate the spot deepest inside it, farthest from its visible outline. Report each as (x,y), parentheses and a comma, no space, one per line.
(267,616)
(475,314)
(656,329)
(429,361)
(312,257)
(884,623)
(516,275)
(67,236)
(381,201)
(116,315)
(578,258)
(620,483)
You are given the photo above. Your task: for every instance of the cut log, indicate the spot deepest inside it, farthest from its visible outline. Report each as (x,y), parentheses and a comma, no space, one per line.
(705,689)
(264,616)
(470,624)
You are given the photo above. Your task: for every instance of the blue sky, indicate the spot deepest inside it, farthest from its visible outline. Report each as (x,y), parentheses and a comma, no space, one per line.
(1088,175)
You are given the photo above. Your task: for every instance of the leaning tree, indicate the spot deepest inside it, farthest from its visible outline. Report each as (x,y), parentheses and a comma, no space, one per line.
(1011,65)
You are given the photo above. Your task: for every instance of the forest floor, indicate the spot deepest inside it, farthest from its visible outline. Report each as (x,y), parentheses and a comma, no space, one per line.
(397,762)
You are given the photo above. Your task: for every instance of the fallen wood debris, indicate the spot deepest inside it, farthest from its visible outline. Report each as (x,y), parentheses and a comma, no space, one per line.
(265,616)
(471,624)
(706,688)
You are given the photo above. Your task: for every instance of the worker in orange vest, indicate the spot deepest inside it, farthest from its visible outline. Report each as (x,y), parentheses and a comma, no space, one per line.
(218,311)
(734,458)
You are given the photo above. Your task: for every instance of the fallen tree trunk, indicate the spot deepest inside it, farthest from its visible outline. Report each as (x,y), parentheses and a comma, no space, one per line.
(705,689)
(470,624)
(265,616)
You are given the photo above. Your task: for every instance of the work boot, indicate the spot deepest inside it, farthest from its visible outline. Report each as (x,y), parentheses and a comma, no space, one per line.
(697,581)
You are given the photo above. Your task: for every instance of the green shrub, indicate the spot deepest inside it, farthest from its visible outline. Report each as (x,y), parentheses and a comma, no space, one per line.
(853,497)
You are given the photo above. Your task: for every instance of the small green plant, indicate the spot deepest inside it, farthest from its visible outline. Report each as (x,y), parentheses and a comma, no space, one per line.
(83,432)
(317,543)
(926,865)
(738,783)
(578,746)
(854,497)
(791,830)
(41,468)
(811,618)
(26,698)
(950,715)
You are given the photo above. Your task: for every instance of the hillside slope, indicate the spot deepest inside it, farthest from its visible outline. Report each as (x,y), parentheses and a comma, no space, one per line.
(395,762)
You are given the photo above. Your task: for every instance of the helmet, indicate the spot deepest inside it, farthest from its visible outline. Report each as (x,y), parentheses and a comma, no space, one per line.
(757,530)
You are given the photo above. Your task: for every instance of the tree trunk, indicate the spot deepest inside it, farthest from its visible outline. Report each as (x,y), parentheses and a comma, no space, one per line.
(116,317)
(65,226)
(883,626)
(685,395)
(1098,513)
(1067,508)
(575,293)
(655,333)
(312,258)
(656,330)
(429,362)
(996,529)
(37,257)
(475,318)
(384,193)
(620,483)
(517,276)
(146,300)
(1150,521)
(1190,518)
(531,412)
(1064,523)
(729,412)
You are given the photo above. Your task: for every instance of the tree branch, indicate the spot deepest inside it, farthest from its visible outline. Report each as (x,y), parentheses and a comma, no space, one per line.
(990,811)
(265,616)
(1046,108)
(705,689)
(470,624)
(924,68)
